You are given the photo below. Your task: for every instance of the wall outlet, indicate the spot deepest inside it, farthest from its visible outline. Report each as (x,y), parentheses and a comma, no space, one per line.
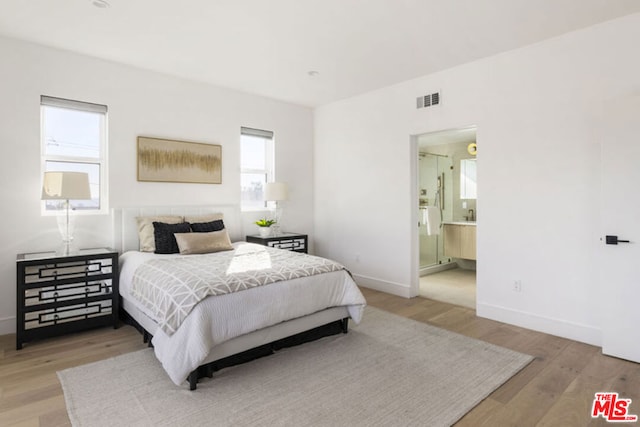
(357,258)
(517,285)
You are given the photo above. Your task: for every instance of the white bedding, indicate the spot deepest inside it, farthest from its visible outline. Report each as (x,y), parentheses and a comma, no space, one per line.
(220,318)
(170,288)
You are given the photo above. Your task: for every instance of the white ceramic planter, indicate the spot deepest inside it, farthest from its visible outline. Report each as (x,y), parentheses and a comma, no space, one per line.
(264,231)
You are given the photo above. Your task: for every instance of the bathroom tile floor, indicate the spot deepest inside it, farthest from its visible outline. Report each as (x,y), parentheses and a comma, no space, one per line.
(456,286)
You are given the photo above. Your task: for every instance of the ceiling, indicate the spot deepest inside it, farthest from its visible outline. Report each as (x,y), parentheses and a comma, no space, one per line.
(269,47)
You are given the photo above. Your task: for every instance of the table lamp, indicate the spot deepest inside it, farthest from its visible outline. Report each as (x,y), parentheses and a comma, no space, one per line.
(66,186)
(276,192)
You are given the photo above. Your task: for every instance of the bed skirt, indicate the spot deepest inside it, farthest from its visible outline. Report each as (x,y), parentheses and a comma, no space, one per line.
(253,345)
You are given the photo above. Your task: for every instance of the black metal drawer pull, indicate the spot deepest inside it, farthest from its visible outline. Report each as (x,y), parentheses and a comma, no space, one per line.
(613,240)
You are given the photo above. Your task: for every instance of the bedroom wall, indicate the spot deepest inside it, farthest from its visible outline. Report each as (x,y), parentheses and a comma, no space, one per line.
(538,175)
(140,103)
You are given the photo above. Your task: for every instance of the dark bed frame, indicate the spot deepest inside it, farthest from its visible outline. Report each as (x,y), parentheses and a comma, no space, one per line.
(207,370)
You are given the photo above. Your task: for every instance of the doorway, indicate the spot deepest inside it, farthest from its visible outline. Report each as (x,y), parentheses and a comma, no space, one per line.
(447,215)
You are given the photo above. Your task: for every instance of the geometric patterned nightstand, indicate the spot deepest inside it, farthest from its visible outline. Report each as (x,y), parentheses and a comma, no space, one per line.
(58,294)
(289,241)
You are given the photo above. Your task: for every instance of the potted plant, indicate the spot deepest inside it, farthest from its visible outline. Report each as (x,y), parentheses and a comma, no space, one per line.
(264,226)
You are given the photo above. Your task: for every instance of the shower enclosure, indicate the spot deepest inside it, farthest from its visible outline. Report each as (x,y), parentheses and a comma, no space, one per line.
(434,189)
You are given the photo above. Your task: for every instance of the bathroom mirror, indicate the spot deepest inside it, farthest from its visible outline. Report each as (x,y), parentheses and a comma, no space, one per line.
(468,187)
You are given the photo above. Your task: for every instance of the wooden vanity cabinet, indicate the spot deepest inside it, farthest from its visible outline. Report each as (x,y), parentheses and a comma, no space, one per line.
(460,241)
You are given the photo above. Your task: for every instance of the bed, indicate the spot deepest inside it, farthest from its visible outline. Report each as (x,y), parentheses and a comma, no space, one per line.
(230,327)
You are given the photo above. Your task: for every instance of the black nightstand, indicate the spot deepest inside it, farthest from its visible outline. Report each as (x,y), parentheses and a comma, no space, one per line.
(290,241)
(62,294)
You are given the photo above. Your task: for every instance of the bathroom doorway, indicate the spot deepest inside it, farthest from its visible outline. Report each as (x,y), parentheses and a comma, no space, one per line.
(447,214)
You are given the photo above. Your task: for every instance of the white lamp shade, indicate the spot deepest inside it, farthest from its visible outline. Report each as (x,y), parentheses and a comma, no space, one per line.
(66,186)
(275,191)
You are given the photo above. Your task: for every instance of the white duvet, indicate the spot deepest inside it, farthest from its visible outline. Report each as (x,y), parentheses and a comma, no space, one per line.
(220,318)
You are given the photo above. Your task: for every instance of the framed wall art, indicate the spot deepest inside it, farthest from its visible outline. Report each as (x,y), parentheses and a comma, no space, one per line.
(167,160)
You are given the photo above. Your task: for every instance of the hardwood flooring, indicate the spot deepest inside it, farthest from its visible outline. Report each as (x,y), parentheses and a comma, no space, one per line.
(30,393)
(556,389)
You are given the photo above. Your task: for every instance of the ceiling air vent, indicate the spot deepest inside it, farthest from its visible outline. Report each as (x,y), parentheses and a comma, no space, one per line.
(428,100)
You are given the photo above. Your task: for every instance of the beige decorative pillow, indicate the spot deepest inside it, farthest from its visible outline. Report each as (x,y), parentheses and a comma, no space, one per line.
(203,243)
(203,218)
(145,229)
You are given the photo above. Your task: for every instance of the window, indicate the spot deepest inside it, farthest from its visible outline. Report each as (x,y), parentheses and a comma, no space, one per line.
(256,167)
(468,185)
(74,138)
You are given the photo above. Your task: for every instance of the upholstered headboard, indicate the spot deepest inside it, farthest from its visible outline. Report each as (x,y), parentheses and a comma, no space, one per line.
(126,228)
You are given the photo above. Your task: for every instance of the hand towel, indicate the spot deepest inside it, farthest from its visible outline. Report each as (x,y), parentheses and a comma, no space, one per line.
(432,220)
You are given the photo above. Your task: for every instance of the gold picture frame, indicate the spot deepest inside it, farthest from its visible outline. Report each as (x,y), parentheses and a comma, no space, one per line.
(168,160)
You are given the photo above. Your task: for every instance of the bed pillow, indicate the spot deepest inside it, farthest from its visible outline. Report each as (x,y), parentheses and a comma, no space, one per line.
(165,241)
(203,243)
(145,229)
(206,227)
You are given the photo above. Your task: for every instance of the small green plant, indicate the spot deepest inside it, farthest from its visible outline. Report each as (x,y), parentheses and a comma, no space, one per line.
(265,222)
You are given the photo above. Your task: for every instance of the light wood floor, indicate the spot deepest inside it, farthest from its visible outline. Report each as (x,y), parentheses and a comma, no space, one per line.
(556,389)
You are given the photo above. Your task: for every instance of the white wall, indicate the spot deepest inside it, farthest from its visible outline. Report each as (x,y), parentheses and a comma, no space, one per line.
(538,173)
(140,103)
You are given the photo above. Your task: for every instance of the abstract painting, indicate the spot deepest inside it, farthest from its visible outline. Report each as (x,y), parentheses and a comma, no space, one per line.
(166,160)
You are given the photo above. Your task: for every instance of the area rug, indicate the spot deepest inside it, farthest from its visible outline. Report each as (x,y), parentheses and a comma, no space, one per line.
(387,371)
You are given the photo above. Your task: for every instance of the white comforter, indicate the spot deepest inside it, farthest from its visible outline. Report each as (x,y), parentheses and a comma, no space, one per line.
(220,318)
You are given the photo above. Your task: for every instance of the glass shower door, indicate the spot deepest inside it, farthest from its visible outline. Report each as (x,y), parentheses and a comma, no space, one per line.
(435,189)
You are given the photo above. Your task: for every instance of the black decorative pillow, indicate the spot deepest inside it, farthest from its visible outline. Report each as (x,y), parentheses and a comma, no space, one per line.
(165,240)
(207,227)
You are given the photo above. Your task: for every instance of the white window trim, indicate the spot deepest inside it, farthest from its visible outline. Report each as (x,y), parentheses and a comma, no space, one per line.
(101,161)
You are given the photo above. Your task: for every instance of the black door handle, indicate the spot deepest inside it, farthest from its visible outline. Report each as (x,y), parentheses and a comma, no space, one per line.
(613,240)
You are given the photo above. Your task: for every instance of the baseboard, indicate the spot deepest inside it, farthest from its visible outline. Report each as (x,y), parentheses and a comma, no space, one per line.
(558,327)
(437,268)
(7,325)
(383,286)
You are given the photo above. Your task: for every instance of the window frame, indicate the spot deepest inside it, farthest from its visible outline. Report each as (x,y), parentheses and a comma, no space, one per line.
(101,160)
(268,171)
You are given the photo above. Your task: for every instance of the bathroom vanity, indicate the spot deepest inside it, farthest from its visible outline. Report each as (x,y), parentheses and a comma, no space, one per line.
(460,239)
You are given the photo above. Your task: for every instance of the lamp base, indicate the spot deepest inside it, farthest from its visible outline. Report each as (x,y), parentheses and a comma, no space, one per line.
(66,249)
(276,214)
(66,226)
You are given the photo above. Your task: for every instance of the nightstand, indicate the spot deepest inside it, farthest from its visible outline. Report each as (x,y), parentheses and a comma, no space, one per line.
(289,241)
(59,294)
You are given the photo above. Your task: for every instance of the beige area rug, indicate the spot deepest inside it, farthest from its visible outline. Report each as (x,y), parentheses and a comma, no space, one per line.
(387,371)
